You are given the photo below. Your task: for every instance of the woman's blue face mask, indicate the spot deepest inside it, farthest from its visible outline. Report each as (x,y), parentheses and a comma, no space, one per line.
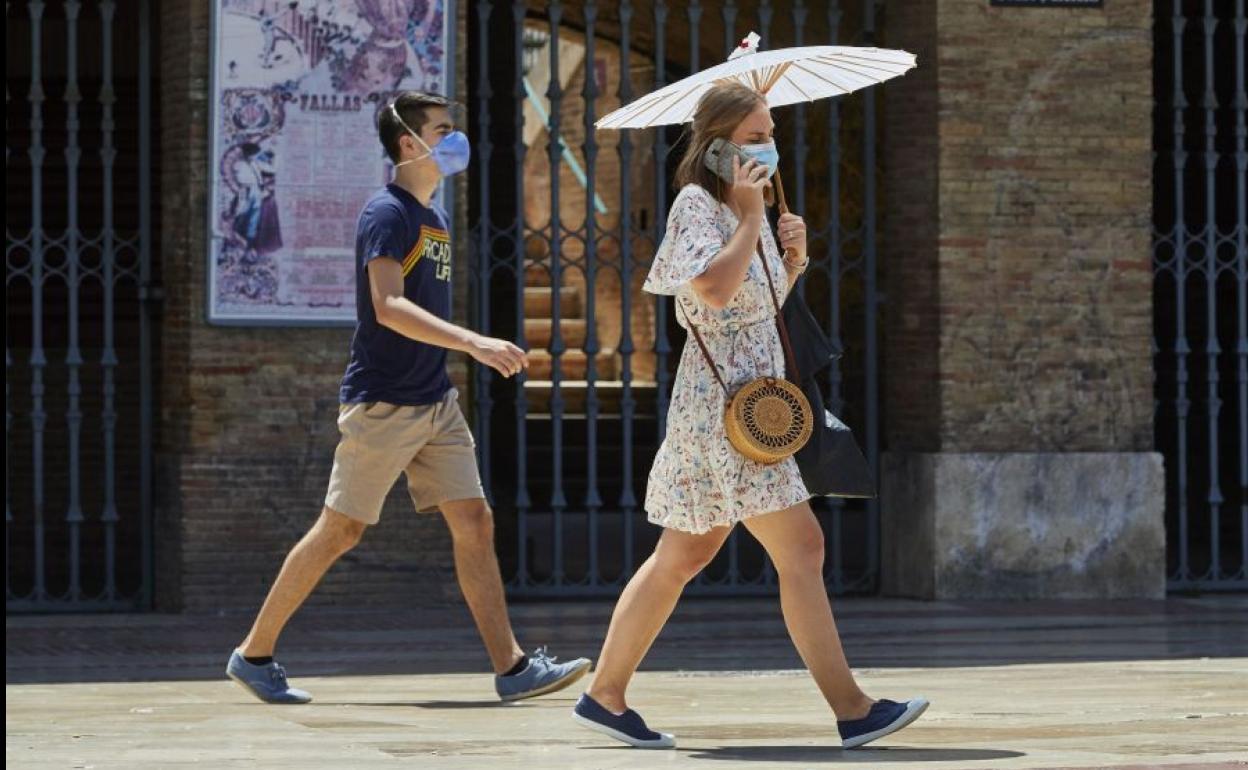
(766,154)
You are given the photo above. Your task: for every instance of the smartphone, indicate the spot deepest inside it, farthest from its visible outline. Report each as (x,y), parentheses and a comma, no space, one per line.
(719,155)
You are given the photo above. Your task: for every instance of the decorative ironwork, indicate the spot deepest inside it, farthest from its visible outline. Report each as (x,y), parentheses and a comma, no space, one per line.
(563,238)
(1200,263)
(80,310)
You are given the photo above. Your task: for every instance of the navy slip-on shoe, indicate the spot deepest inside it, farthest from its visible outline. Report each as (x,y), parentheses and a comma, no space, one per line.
(628,727)
(886,717)
(268,682)
(543,675)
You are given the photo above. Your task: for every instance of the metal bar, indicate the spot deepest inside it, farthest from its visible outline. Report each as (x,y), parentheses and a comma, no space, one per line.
(628,404)
(1241,272)
(662,346)
(694,14)
(1181,348)
(872,298)
(554,149)
(148,299)
(38,416)
(589,94)
(108,155)
(1212,349)
(835,376)
(483,401)
(8,447)
(729,14)
(73,354)
(523,502)
(800,148)
(765,15)
(8,408)
(801,151)
(1235,585)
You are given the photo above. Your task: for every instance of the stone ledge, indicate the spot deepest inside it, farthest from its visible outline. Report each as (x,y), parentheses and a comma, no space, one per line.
(1023,525)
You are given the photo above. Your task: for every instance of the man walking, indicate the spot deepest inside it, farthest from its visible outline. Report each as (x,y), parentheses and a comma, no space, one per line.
(399,413)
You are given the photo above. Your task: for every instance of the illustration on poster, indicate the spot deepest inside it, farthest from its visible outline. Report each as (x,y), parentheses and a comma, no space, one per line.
(297,82)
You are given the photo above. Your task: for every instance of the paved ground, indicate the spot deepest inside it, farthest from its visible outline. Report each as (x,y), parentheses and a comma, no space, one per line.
(1024,685)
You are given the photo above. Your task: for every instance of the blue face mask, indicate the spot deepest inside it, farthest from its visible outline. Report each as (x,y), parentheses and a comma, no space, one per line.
(451,154)
(765,154)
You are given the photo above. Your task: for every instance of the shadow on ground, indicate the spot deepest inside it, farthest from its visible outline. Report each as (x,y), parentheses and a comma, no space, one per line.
(749,635)
(837,754)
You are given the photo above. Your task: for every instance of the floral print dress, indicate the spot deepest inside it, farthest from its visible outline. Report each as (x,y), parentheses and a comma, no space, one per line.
(698,480)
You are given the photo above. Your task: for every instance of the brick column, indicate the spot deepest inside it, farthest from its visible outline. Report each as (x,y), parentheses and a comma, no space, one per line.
(248,415)
(1016,226)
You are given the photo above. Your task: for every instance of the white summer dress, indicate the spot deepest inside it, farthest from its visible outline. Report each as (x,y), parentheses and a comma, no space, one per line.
(698,480)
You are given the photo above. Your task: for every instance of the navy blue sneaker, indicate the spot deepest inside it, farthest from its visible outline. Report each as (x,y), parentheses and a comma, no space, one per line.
(542,675)
(885,718)
(628,727)
(267,682)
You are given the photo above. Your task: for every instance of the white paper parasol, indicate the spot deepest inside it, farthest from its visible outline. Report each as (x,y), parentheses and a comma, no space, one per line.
(784,76)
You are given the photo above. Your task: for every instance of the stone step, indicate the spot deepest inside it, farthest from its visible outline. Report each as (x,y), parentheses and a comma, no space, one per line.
(538,302)
(536,275)
(537,332)
(574,392)
(572,364)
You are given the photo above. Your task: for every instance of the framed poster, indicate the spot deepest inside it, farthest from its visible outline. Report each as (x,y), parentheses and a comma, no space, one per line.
(296,87)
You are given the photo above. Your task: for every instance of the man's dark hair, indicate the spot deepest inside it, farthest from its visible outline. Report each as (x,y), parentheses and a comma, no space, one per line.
(411,106)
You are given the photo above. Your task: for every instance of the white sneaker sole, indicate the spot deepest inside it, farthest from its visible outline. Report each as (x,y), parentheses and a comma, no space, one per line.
(913,711)
(665,741)
(554,686)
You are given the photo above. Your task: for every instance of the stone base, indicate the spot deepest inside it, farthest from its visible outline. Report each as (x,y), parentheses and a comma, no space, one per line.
(1023,525)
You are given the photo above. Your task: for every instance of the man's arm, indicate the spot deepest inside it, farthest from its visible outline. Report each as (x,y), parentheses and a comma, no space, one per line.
(401,315)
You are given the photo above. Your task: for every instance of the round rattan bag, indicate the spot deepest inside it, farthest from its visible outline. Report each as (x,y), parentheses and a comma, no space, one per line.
(768,419)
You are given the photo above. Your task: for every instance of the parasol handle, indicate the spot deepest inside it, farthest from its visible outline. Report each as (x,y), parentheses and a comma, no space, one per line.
(784,205)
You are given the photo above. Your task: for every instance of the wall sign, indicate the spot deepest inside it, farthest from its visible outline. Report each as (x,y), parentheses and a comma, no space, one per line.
(296,88)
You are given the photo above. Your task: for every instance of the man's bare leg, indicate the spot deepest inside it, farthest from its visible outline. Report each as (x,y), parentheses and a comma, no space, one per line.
(476,566)
(333,535)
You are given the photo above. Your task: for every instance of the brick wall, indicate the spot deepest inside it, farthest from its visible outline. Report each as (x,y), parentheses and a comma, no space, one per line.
(247,427)
(1016,228)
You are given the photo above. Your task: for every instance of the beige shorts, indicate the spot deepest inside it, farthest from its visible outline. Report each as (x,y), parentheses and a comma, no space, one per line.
(431,443)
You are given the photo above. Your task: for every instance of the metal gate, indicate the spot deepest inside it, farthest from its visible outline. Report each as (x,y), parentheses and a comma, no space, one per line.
(565,221)
(78,294)
(1200,262)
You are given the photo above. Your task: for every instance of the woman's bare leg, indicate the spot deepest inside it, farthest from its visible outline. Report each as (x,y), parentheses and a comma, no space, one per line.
(794,542)
(645,605)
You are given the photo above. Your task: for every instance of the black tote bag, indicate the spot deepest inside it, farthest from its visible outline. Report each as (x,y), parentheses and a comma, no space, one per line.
(831,463)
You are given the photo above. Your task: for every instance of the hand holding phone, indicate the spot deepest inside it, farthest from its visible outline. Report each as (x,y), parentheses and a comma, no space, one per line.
(719,157)
(748,177)
(749,182)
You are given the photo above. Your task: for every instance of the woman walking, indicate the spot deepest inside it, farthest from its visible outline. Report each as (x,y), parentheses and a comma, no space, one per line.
(700,487)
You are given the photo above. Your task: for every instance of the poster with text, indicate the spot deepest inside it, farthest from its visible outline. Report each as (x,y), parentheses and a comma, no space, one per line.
(297,85)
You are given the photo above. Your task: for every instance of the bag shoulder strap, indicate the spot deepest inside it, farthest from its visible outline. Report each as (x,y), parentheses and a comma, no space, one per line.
(781,326)
(697,336)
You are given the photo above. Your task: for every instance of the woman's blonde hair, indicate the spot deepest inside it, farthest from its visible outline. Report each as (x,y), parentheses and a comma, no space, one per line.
(720,110)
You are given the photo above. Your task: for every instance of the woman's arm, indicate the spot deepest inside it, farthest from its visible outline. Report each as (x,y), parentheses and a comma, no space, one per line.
(793,244)
(718,284)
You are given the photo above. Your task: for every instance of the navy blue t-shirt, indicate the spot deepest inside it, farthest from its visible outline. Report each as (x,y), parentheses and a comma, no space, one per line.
(385,365)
